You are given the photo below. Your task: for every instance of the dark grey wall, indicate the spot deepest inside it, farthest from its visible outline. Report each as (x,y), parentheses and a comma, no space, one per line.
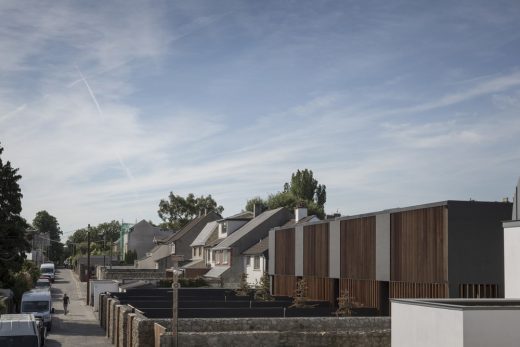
(476,243)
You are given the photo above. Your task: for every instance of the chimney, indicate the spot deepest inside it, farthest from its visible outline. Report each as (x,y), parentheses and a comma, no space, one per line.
(257,210)
(300,213)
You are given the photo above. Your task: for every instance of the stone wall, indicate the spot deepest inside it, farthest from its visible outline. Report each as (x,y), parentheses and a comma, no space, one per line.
(279,324)
(131,274)
(127,328)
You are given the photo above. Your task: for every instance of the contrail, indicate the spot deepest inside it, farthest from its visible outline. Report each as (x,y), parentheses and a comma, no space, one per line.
(94,99)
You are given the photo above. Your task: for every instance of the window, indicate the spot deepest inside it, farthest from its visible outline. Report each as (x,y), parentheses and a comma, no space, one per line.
(256,265)
(194,252)
(225,257)
(248,260)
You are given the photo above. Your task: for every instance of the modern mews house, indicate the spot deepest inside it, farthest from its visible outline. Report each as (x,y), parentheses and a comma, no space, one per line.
(449,249)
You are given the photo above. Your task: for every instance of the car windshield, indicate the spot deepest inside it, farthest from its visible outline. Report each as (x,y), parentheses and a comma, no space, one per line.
(46,270)
(43,284)
(35,306)
(19,341)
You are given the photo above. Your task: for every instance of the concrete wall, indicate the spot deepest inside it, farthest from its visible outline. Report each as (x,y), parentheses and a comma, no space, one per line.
(272,252)
(383,247)
(414,325)
(334,249)
(484,328)
(298,250)
(512,259)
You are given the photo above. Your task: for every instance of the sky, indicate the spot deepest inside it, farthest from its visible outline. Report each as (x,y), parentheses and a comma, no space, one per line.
(108,106)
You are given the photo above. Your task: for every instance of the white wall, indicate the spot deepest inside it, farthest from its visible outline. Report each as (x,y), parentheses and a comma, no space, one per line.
(414,326)
(383,247)
(254,276)
(512,262)
(497,328)
(334,249)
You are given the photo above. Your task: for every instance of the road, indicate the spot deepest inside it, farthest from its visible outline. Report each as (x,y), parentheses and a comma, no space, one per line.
(79,327)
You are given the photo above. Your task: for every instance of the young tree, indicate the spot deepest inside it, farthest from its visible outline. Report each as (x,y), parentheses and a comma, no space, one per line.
(263,292)
(13,244)
(46,223)
(244,288)
(300,299)
(177,211)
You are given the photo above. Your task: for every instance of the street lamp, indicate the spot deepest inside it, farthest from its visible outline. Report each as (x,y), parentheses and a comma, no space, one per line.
(175,298)
(88,265)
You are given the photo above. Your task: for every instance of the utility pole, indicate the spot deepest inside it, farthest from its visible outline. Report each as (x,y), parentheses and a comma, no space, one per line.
(88,265)
(104,248)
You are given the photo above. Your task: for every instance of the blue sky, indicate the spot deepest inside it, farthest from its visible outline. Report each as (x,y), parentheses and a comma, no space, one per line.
(106,107)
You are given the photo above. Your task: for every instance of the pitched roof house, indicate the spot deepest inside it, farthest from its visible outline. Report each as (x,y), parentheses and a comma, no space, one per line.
(227,254)
(179,244)
(140,238)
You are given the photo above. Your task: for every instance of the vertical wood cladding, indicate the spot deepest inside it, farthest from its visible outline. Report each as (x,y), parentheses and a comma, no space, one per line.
(358,248)
(316,250)
(408,290)
(363,293)
(419,245)
(320,288)
(284,285)
(284,252)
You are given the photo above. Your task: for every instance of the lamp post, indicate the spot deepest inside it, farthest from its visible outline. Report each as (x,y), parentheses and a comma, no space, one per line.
(88,265)
(175,297)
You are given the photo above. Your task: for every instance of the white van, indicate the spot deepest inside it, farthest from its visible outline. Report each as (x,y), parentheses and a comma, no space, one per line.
(39,303)
(21,330)
(48,270)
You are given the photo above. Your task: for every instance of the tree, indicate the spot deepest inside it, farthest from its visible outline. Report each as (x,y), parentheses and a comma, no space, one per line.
(302,191)
(46,223)
(300,299)
(263,291)
(177,211)
(244,288)
(305,188)
(13,244)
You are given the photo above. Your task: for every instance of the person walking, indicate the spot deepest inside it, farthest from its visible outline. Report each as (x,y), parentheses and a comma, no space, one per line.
(65,303)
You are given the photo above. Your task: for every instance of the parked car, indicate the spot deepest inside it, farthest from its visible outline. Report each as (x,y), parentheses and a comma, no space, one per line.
(39,303)
(21,330)
(43,283)
(48,269)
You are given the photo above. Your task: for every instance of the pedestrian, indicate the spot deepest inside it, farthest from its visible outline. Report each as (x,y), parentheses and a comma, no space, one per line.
(65,302)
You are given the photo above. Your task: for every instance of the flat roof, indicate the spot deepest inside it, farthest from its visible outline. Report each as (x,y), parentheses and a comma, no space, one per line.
(511,224)
(464,304)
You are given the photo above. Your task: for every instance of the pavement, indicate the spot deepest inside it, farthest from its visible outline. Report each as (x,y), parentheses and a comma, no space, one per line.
(79,327)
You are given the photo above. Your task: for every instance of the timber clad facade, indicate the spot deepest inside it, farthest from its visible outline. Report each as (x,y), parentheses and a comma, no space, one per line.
(439,250)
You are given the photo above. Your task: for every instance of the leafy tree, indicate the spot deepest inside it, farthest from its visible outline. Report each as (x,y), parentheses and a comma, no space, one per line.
(13,244)
(302,191)
(46,223)
(250,205)
(101,238)
(177,211)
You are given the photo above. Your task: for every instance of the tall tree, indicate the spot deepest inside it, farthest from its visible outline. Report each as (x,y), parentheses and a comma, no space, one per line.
(306,188)
(177,211)
(46,223)
(13,244)
(302,191)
